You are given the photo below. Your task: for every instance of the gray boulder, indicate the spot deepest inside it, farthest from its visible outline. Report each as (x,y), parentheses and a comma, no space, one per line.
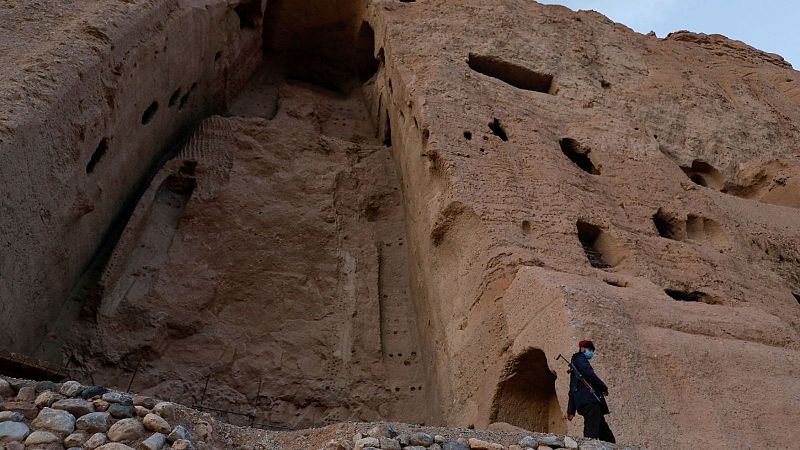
(96,422)
(71,388)
(154,442)
(76,406)
(54,420)
(13,431)
(126,430)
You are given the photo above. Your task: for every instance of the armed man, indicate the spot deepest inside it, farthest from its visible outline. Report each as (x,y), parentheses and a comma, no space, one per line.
(586,394)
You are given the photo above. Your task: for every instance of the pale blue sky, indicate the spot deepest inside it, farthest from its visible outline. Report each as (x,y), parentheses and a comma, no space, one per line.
(769,25)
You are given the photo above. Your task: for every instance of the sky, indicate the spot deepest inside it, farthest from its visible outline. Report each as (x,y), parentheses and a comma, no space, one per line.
(769,25)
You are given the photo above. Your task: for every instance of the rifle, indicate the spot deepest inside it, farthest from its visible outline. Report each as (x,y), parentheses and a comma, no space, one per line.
(588,385)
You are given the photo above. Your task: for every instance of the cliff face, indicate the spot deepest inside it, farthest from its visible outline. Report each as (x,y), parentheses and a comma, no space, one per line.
(411,208)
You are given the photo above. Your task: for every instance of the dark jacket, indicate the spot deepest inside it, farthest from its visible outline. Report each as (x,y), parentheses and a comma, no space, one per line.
(579,394)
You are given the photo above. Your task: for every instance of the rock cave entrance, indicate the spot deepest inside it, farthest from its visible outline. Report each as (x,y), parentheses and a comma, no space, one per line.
(322,42)
(579,155)
(692,296)
(600,248)
(526,395)
(694,227)
(704,174)
(513,74)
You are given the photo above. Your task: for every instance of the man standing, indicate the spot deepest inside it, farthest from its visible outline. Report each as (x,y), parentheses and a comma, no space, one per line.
(583,400)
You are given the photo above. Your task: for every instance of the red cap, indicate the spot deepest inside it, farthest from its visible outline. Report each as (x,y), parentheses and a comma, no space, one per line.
(586,343)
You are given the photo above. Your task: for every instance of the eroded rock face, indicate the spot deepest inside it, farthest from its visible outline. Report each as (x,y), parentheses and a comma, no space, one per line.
(415,227)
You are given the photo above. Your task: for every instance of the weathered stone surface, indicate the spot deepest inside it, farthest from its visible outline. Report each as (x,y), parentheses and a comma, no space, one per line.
(41,437)
(71,388)
(75,406)
(117,397)
(121,411)
(439,439)
(154,422)
(528,441)
(145,401)
(388,443)
(94,441)
(420,438)
(570,443)
(12,416)
(544,447)
(26,394)
(101,405)
(155,442)
(141,411)
(367,442)
(47,398)
(114,446)
(93,391)
(14,445)
(478,444)
(75,439)
(5,389)
(179,432)
(126,430)
(165,410)
(550,440)
(13,431)
(96,422)
(454,445)
(182,444)
(54,420)
(27,409)
(45,385)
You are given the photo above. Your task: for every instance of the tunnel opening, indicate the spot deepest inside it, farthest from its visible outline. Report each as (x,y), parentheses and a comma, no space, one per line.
(249,13)
(578,154)
(513,74)
(692,296)
(600,248)
(526,395)
(704,174)
(669,226)
(321,42)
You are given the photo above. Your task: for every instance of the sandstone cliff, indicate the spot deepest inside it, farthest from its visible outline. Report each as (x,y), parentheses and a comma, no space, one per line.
(407,211)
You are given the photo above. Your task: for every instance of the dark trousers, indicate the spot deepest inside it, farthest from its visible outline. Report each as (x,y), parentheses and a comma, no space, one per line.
(594,423)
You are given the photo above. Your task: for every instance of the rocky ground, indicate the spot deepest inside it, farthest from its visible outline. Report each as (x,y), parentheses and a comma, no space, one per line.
(55,416)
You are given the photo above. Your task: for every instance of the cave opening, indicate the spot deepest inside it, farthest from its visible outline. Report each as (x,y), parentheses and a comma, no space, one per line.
(600,249)
(669,226)
(513,74)
(526,395)
(578,154)
(704,174)
(249,13)
(321,42)
(691,296)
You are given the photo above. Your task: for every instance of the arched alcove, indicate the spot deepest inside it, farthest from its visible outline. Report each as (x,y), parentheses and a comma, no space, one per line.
(526,395)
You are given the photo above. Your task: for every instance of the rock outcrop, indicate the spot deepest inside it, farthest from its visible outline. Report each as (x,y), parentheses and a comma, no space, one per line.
(407,211)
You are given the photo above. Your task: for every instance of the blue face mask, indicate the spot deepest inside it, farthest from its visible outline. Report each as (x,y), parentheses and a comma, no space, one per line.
(588,354)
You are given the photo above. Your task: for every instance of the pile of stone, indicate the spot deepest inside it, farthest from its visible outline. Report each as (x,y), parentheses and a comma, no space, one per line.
(50,416)
(382,437)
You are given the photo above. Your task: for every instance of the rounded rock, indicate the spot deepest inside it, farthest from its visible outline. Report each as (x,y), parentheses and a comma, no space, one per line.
(421,439)
(126,430)
(26,394)
(75,439)
(47,398)
(117,397)
(121,411)
(13,431)
(179,432)
(5,388)
(76,406)
(96,422)
(156,423)
(71,388)
(100,405)
(182,444)
(96,440)
(147,402)
(44,386)
(165,410)
(93,391)
(41,437)
(54,420)
(154,442)
(114,446)
(12,416)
